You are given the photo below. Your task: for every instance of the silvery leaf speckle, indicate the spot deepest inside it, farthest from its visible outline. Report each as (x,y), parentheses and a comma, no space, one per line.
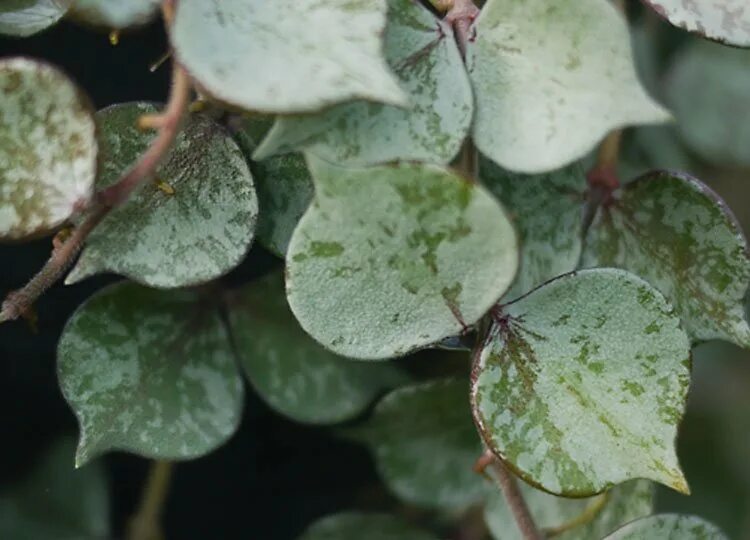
(727,21)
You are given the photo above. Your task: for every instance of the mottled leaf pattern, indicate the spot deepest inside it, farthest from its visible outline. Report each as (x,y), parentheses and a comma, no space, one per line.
(361,526)
(149,372)
(192,224)
(55,501)
(600,515)
(546,210)
(727,21)
(422,51)
(47,148)
(292,372)
(428,419)
(581,384)
(671,230)
(286,56)
(668,527)
(551,78)
(115,14)
(23,18)
(390,259)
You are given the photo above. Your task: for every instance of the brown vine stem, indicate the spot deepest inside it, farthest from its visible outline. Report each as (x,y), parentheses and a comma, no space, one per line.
(19,302)
(516,503)
(146,522)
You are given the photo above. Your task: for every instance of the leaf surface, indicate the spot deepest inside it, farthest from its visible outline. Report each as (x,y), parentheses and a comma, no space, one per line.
(350,525)
(115,14)
(23,18)
(727,21)
(668,527)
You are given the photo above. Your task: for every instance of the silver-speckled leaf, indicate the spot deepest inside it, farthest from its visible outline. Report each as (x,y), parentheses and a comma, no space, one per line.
(23,18)
(581,384)
(727,21)
(193,223)
(361,526)
(422,51)
(428,419)
(674,232)
(394,258)
(551,78)
(599,515)
(286,56)
(115,14)
(547,211)
(668,527)
(713,119)
(292,372)
(56,501)
(47,148)
(149,372)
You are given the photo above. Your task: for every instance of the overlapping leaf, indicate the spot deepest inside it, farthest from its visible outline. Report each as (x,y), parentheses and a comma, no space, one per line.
(582,383)
(150,372)
(23,18)
(47,151)
(550,79)
(192,224)
(390,259)
(422,51)
(286,56)
(115,14)
(351,525)
(727,21)
(668,527)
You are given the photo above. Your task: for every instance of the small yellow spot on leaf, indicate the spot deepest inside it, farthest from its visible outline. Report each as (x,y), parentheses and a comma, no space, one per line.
(161,185)
(114,37)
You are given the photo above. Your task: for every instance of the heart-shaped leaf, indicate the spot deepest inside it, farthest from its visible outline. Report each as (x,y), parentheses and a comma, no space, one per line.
(351,525)
(727,21)
(23,18)
(115,14)
(194,223)
(581,384)
(292,372)
(674,232)
(390,259)
(668,527)
(48,150)
(149,372)
(422,51)
(551,78)
(286,56)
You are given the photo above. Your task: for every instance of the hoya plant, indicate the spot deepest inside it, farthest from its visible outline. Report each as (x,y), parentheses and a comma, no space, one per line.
(433,175)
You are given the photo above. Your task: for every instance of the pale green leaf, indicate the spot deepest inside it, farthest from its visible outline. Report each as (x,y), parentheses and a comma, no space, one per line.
(24,18)
(149,372)
(292,372)
(193,223)
(47,148)
(362,526)
(394,258)
(581,384)
(727,21)
(591,518)
(668,527)
(713,117)
(115,14)
(286,56)
(422,51)
(674,232)
(551,78)
(56,501)
(547,211)
(425,445)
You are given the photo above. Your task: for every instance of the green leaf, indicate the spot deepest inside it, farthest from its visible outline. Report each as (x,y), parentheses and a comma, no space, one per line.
(361,526)
(713,119)
(115,14)
(674,232)
(284,186)
(194,223)
(551,78)
(47,151)
(24,18)
(286,56)
(581,384)
(668,527)
(293,373)
(727,21)
(394,258)
(422,51)
(149,372)
(595,516)
(546,210)
(425,445)
(57,502)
